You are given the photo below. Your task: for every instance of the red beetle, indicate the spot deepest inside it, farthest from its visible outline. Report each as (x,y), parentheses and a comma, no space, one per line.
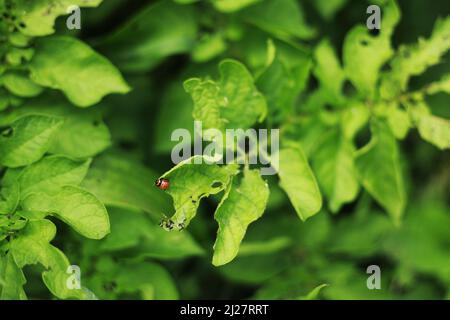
(162,183)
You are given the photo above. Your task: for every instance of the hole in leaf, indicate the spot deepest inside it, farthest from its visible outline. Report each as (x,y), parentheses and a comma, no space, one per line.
(216,184)
(7,133)
(374,32)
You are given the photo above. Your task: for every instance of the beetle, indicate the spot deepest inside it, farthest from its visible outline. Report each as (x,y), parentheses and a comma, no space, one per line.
(162,184)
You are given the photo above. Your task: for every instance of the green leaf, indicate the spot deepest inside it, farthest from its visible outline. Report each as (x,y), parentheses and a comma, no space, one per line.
(92,76)
(191,181)
(20,85)
(282,18)
(314,293)
(77,207)
(435,130)
(233,102)
(11,280)
(122,182)
(134,232)
(442,85)
(378,167)
(298,181)
(364,55)
(209,47)
(414,59)
(335,170)
(156,32)
(39,16)
(50,174)
(232,5)
(328,70)
(398,121)
(242,204)
(31,245)
(353,118)
(27,139)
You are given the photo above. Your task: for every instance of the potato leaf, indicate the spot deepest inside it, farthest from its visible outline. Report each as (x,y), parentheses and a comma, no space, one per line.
(77,207)
(85,78)
(378,167)
(233,102)
(50,174)
(335,170)
(242,204)
(122,182)
(364,55)
(11,279)
(190,182)
(298,181)
(38,16)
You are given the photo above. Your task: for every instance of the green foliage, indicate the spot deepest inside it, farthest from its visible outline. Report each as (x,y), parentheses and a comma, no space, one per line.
(234,102)
(85,130)
(93,76)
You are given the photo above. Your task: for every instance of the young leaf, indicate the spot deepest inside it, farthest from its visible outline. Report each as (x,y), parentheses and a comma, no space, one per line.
(233,102)
(31,245)
(398,121)
(435,130)
(190,182)
(50,174)
(83,135)
(314,293)
(364,55)
(328,70)
(56,277)
(77,207)
(27,139)
(378,167)
(442,85)
(20,85)
(38,16)
(298,181)
(415,59)
(85,78)
(11,279)
(121,182)
(242,204)
(335,170)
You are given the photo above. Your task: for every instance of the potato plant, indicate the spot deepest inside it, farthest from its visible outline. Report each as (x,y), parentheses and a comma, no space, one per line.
(87,116)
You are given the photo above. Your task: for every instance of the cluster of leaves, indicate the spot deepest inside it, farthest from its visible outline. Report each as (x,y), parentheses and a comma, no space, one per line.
(58,116)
